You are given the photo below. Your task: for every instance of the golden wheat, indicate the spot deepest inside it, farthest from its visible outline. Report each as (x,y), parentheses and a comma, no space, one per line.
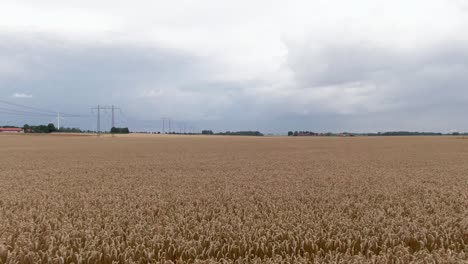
(233,200)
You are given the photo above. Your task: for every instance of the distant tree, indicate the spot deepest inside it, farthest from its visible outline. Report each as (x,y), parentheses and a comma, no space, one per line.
(409,133)
(51,128)
(241,133)
(295,133)
(290,133)
(38,129)
(120,130)
(70,130)
(207,132)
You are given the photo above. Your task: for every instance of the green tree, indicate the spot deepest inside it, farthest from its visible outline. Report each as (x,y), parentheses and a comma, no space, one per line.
(51,128)
(207,132)
(120,130)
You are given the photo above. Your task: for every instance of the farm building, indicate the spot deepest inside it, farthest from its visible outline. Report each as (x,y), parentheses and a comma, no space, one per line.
(11,130)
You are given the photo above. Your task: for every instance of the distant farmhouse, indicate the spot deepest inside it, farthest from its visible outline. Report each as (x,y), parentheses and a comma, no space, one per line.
(11,130)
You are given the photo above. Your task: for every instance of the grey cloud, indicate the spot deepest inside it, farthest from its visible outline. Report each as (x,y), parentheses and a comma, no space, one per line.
(334,86)
(147,82)
(332,64)
(411,83)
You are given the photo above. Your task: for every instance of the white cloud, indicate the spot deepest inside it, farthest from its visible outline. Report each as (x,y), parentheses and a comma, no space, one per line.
(152,93)
(22,95)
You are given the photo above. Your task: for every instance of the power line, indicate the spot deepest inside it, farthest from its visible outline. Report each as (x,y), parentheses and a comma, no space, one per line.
(24,112)
(41,110)
(30,111)
(28,107)
(77,116)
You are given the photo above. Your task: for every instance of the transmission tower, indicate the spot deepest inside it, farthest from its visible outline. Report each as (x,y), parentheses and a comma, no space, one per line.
(99,108)
(164,119)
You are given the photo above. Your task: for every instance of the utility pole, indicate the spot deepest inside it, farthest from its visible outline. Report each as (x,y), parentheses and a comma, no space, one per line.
(113,120)
(99,108)
(164,119)
(98,120)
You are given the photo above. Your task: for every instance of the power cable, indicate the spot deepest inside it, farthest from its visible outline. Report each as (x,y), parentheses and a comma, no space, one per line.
(40,109)
(25,106)
(26,114)
(23,112)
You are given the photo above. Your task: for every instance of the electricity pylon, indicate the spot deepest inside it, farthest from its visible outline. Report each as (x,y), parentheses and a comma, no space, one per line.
(99,108)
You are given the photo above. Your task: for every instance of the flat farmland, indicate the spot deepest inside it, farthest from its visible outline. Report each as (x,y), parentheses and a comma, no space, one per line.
(194,199)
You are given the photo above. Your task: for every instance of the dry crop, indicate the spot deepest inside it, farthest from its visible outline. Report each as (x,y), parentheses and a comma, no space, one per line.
(163,199)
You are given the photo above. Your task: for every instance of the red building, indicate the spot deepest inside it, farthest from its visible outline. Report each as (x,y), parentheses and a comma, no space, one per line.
(11,130)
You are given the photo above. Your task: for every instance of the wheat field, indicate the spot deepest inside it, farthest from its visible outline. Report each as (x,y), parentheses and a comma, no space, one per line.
(215,199)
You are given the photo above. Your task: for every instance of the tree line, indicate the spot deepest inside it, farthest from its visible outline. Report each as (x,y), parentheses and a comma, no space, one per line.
(234,133)
(120,130)
(49,128)
(389,133)
(302,133)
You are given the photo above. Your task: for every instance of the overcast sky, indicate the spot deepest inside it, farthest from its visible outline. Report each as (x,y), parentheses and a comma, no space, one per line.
(273,66)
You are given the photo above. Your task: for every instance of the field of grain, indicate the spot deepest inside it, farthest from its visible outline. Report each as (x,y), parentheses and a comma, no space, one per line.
(158,199)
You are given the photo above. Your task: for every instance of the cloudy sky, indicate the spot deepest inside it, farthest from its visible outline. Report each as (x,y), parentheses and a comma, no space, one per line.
(273,66)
